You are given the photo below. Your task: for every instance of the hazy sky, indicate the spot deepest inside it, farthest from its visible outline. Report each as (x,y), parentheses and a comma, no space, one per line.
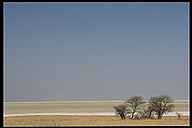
(61,51)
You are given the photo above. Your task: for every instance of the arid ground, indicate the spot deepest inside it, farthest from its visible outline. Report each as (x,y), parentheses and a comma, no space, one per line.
(88,120)
(72,106)
(79,107)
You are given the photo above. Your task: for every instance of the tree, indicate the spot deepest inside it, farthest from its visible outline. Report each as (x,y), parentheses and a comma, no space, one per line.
(147,112)
(160,105)
(135,104)
(121,110)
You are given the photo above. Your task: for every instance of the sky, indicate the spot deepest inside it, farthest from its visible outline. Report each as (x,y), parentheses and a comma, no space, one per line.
(62,51)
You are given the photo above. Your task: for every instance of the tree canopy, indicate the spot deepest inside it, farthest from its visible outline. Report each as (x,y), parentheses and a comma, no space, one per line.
(161,104)
(135,107)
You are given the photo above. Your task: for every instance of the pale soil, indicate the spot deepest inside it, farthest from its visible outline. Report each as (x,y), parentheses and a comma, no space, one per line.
(83,114)
(72,106)
(88,120)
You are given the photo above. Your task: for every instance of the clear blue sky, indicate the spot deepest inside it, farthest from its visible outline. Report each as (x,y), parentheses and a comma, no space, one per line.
(58,51)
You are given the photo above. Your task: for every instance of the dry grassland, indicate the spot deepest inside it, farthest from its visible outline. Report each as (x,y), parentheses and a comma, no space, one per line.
(88,120)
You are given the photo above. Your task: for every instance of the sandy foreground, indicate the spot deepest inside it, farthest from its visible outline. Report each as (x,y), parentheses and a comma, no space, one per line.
(71,120)
(80,113)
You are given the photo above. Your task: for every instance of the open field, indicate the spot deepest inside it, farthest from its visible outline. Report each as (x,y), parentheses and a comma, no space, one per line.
(72,106)
(62,113)
(88,120)
(84,114)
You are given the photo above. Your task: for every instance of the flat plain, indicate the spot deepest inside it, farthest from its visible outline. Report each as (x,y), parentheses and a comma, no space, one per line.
(80,107)
(88,120)
(72,106)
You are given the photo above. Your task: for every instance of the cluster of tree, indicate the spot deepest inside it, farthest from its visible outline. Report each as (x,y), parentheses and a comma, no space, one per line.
(136,108)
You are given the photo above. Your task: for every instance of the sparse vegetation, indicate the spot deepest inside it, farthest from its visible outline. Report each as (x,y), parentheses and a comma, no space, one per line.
(161,105)
(137,108)
(61,121)
(121,110)
(144,114)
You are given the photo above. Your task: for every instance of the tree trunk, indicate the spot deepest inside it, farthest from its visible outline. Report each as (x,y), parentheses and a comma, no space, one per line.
(159,115)
(122,116)
(132,115)
(150,114)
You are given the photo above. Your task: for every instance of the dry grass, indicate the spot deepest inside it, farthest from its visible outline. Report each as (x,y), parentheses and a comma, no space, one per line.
(88,120)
